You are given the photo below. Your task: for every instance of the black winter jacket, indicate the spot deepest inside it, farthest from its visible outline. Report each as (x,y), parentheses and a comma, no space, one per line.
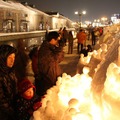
(8,85)
(49,57)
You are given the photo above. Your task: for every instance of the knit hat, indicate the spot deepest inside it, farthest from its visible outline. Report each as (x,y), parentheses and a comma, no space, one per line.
(25,85)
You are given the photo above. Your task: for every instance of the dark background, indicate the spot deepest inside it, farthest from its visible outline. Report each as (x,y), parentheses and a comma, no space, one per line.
(95,9)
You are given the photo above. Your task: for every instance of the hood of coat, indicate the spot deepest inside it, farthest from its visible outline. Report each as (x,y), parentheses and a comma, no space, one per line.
(5,51)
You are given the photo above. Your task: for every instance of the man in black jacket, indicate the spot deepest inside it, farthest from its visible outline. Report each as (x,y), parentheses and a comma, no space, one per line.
(50,55)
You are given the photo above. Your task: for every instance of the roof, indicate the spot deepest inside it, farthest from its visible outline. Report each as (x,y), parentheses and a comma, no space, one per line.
(53,13)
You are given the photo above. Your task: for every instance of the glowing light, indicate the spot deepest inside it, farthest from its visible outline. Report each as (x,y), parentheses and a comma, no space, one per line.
(73,99)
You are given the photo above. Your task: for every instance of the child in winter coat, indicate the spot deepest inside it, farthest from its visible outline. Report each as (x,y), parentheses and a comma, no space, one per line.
(26,101)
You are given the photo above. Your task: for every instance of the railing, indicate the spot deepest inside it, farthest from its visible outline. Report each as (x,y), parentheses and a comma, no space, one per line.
(24,35)
(20,35)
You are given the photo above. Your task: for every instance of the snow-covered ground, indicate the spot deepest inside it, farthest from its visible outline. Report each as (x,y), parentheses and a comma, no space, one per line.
(94,93)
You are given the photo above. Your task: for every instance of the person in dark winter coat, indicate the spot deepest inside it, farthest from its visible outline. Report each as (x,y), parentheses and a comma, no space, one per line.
(93,36)
(61,41)
(8,82)
(21,61)
(26,101)
(70,43)
(86,50)
(50,55)
(65,35)
(34,58)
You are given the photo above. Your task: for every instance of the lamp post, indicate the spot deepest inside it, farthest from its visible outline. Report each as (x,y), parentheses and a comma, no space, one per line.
(80,16)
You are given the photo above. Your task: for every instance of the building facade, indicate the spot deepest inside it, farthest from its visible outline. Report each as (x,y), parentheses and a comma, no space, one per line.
(20,17)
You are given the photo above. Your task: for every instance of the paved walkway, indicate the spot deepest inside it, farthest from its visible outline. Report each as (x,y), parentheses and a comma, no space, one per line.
(69,64)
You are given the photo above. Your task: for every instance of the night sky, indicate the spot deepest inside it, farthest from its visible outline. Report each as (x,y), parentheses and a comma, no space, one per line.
(95,9)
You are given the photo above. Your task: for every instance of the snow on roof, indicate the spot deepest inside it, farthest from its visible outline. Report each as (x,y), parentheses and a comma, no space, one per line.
(19,6)
(57,14)
(16,6)
(6,5)
(36,10)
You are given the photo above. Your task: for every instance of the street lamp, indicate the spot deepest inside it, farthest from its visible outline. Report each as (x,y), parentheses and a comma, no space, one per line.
(80,16)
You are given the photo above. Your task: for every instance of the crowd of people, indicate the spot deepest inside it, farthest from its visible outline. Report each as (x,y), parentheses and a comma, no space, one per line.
(19,97)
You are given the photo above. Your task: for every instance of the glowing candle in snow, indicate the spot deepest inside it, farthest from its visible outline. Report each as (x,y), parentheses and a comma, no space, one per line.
(37,115)
(104,50)
(119,56)
(117,28)
(82,58)
(73,103)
